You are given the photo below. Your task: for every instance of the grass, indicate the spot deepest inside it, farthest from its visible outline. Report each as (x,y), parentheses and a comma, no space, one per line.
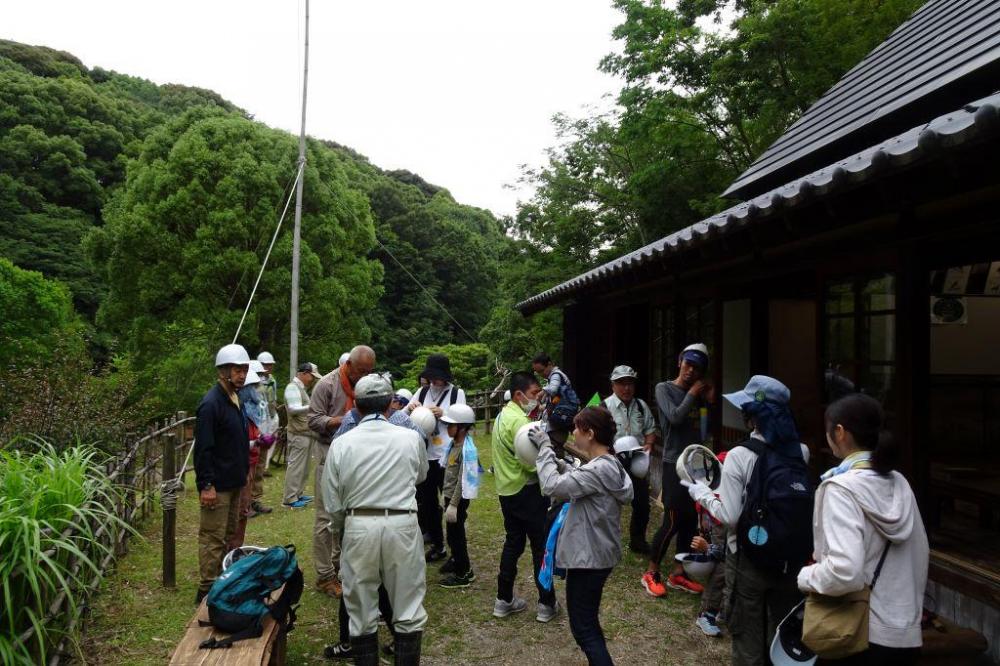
(136,621)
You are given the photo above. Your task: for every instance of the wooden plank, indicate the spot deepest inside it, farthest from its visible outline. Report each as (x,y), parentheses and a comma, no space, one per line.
(251,651)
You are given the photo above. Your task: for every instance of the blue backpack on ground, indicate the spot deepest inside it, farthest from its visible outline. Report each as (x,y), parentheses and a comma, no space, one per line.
(775,528)
(240,598)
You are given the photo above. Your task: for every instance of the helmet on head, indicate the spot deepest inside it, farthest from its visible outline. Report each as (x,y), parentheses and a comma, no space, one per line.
(698,463)
(459,414)
(237,554)
(252,378)
(524,449)
(697,566)
(424,419)
(373,386)
(343,358)
(632,456)
(265,357)
(506,395)
(403,395)
(232,355)
(257,366)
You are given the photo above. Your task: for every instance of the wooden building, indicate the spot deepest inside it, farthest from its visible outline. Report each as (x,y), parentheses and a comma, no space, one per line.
(864,254)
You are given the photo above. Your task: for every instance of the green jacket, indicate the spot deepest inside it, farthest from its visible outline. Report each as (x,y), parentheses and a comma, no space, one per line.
(510,473)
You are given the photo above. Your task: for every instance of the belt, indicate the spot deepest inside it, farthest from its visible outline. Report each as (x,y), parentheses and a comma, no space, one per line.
(379,512)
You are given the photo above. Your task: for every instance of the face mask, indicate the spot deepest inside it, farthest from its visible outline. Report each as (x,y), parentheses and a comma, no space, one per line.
(529,406)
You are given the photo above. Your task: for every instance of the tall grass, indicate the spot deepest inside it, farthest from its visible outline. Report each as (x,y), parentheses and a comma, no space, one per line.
(52,505)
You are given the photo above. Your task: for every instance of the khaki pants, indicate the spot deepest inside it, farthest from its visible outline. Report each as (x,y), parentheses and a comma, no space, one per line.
(215,529)
(326,543)
(297,466)
(258,478)
(389,551)
(759,600)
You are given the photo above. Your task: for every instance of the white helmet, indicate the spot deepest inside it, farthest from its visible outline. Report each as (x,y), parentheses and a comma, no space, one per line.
(524,449)
(632,456)
(252,378)
(698,463)
(237,554)
(256,366)
(404,395)
(265,357)
(343,358)
(460,414)
(232,355)
(506,395)
(697,566)
(424,419)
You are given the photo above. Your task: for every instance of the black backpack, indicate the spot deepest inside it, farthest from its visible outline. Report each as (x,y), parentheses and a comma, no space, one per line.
(775,528)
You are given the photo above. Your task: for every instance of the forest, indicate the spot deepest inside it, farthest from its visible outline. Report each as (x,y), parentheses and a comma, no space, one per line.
(134,217)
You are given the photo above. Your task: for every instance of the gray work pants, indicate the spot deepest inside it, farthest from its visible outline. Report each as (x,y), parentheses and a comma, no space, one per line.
(389,551)
(759,600)
(297,466)
(326,543)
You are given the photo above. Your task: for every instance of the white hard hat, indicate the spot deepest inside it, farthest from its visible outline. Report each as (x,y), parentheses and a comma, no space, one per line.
(252,378)
(696,565)
(256,366)
(404,394)
(787,648)
(373,386)
(232,355)
(343,358)
(698,463)
(506,395)
(632,456)
(627,444)
(524,449)
(639,465)
(460,414)
(238,554)
(424,419)
(623,372)
(265,357)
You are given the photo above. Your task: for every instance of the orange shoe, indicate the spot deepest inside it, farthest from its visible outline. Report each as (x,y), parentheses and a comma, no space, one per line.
(654,584)
(682,582)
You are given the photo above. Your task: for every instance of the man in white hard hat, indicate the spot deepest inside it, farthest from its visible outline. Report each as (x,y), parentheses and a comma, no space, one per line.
(300,437)
(633,417)
(376,507)
(221,462)
(332,398)
(680,402)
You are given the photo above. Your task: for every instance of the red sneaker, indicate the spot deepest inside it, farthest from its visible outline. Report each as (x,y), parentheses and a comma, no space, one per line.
(682,582)
(654,584)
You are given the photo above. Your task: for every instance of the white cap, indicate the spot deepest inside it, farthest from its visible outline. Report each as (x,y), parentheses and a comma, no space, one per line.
(232,355)
(265,357)
(623,372)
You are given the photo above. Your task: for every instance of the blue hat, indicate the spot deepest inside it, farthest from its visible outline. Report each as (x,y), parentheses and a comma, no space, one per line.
(760,388)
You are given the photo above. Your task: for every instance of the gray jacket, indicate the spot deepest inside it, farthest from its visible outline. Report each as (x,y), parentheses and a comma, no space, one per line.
(591,536)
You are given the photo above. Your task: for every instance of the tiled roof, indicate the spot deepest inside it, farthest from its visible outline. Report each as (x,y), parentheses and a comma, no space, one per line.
(948,49)
(978,120)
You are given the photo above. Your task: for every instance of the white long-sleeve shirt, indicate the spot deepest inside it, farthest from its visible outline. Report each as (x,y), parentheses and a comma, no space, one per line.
(297,407)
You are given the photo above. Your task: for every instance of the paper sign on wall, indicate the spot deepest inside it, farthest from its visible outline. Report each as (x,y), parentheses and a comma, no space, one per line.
(956,280)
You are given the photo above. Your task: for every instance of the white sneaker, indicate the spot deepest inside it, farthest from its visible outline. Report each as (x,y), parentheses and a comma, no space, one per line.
(708,625)
(546,613)
(503,608)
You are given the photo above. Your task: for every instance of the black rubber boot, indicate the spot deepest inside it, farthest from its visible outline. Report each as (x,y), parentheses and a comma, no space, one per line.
(408,649)
(365,649)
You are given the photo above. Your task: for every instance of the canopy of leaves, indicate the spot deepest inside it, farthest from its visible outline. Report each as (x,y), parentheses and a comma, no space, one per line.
(472,366)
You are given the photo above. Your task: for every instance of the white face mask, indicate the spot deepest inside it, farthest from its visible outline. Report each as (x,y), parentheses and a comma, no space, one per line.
(529,406)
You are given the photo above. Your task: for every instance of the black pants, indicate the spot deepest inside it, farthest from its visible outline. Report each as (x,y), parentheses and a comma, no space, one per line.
(878,655)
(679,517)
(523,520)
(640,511)
(384,607)
(457,543)
(584,588)
(429,503)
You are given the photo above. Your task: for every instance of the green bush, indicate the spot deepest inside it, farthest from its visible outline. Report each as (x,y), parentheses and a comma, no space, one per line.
(473,366)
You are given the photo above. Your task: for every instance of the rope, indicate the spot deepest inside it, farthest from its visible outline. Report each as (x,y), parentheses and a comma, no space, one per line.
(268,255)
(171,487)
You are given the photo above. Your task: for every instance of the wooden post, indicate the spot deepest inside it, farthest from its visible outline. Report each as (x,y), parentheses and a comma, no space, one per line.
(486,414)
(169,511)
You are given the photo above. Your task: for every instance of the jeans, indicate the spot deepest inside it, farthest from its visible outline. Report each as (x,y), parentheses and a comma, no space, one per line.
(523,520)
(679,517)
(640,511)
(429,503)
(457,542)
(584,588)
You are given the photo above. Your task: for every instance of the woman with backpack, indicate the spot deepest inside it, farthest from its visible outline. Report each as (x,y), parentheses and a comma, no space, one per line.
(590,543)
(762,557)
(867,530)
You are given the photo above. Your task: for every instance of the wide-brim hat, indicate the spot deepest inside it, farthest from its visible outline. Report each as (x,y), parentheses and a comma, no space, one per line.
(437,367)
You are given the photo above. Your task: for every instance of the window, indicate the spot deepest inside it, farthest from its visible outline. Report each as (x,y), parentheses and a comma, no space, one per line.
(860,337)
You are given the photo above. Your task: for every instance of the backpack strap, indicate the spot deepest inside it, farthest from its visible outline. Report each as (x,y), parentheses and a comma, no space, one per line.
(454,394)
(881,561)
(253,631)
(422,393)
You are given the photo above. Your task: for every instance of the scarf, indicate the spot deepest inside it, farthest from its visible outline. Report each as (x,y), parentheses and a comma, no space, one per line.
(857,460)
(776,426)
(345,384)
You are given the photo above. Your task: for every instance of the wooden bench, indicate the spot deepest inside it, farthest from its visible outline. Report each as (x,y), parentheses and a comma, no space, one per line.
(267,650)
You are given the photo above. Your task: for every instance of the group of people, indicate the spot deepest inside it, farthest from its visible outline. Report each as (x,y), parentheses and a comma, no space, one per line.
(377,525)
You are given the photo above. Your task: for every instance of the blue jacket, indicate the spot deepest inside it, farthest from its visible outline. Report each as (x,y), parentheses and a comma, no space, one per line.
(222,445)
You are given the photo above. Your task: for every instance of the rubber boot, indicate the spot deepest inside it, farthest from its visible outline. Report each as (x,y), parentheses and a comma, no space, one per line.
(408,649)
(365,649)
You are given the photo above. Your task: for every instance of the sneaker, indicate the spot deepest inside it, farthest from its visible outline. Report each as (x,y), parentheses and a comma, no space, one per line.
(503,608)
(331,587)
(448,567)
(297,504)
(338,651)
(681,582)
(455,581)
(653,583)
(708,625)
(260,508)
(546,612)
(305,498)
(436,554)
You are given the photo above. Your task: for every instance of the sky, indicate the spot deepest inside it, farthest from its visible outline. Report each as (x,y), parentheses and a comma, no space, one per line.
(461,92)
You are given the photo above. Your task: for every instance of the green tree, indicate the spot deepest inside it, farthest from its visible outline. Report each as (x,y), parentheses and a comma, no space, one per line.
(472,365)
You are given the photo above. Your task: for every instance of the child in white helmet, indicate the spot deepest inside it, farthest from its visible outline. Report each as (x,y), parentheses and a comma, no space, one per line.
(461,484)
